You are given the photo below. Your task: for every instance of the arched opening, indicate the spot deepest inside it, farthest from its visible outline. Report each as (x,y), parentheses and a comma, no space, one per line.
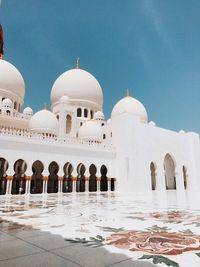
(57,117)
(112,183)
(52,184)
(80,183)
(104,181)
(37,182)
(67,181)
(18,183)
(15,105)
(153,176)
(91,114)
(170,178)
(185,177)
(104,136)
(85,113)
(3,180)
(68,123)
(92,178)
(79,112)
(8,112)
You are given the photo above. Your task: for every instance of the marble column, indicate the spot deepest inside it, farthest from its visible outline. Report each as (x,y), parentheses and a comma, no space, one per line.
(109,184)
(74,185)
(44,189)
(9,185)
(98,184)
(60,184)
(87,184)
(28,184)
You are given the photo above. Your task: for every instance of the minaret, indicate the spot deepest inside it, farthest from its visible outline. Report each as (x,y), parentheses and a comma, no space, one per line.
(78,63)
(45,106)
(1,42)
(127,93)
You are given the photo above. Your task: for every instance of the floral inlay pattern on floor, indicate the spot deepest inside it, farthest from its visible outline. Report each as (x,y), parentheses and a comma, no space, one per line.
(162,233)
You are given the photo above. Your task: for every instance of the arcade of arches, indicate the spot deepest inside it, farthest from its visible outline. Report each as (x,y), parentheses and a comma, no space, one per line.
(19,183)
(170,174)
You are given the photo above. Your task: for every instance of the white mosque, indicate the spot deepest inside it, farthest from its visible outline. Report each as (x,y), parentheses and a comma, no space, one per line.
(72,148)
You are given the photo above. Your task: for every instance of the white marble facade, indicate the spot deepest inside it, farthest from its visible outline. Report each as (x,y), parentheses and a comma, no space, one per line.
(73,148)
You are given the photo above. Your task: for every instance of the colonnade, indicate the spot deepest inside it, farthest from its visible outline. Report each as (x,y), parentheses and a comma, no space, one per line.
(37,183)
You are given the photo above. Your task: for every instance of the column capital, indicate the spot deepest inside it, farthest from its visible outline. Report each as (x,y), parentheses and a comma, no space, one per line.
(9,177)
(45,178)
(28,178)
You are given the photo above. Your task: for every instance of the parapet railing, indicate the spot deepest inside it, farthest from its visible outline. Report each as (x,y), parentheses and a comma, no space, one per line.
(23,133)
(14,113)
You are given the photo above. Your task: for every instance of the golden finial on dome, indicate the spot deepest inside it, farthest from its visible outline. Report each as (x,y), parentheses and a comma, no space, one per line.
(127,93)
(1,42)
(77,63)
(45,106)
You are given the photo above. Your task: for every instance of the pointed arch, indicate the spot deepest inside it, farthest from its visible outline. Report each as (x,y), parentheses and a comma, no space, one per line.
(18,183)
(169,167)
(185,176)
(79,112)
(36,181)
(112,184)
(52,183)
(85,112)
(92,178)
(3,175)
(68,123)
(80,183)
(104,181)
(67,181)
(153,175)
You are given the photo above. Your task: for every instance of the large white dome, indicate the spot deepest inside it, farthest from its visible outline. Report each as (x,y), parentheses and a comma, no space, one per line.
(11,79)
(130,105)
(91,131)
(78,85)
(44,121)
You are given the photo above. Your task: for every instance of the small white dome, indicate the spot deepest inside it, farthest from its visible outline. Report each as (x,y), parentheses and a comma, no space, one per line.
(7,103)
(44,121)
(152,123)
(182,131)
(11,80)
(99,115)
(64,99)
(130,105)
(91,131)
(78,85)
(28,111)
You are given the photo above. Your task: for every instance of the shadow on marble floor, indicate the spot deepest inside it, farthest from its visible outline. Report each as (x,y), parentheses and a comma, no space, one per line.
(22,246)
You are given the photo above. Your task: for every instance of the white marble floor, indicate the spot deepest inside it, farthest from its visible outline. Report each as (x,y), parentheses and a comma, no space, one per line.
(162,228)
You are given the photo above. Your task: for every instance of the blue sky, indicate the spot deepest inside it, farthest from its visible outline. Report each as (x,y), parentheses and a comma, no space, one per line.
(150,46)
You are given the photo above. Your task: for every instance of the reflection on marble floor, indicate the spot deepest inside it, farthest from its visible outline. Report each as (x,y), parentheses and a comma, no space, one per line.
(162,228)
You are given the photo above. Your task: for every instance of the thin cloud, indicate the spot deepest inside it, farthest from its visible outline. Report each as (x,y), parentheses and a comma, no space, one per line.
(154,15)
